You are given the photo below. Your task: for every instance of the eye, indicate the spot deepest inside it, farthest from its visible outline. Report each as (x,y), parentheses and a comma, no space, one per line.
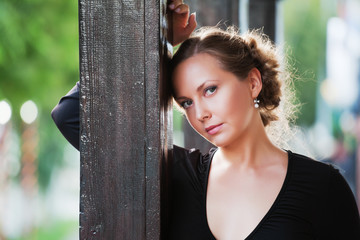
(186,104)
(210,90)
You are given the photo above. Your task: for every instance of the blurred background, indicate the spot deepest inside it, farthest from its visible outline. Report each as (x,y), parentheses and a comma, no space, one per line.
(39,63)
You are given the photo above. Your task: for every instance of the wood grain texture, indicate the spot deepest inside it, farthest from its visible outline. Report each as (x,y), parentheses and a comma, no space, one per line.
(122,120)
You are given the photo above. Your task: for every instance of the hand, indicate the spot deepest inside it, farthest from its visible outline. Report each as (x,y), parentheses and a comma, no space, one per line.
(181,25)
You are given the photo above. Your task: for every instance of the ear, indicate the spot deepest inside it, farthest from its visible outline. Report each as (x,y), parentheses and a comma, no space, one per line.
(255,83)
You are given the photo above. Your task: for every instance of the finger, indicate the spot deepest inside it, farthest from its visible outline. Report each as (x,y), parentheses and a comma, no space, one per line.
(181,9)
(175,3)
(181,19)
(192,24)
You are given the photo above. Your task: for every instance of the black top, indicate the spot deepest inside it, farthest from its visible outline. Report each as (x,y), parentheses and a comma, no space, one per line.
(315,201)
(66,116)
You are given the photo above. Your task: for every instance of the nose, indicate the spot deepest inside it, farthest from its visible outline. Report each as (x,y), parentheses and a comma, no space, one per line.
(202,112)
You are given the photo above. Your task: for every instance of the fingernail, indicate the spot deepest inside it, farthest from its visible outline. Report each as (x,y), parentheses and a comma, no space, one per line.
(171,6)
(177,10)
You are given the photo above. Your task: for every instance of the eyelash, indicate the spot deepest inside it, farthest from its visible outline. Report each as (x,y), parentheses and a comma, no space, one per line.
(212,90)
(184,102)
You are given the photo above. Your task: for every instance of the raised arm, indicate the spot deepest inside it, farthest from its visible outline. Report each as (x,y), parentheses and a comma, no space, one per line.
(66,116)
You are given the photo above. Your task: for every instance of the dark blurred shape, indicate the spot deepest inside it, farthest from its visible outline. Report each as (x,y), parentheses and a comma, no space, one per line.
(262,14)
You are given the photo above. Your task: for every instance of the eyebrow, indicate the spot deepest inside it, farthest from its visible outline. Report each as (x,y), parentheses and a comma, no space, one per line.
(201,86)
(179,98)
(197,89)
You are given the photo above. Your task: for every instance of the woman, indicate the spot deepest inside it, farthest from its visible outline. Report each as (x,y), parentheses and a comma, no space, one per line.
(229,87)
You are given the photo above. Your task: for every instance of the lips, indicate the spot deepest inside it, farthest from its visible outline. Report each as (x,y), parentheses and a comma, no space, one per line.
(213,129)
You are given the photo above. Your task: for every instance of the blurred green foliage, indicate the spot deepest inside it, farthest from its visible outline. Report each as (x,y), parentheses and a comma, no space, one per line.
(305,32)
(58,230)
(39,62)
(38,50)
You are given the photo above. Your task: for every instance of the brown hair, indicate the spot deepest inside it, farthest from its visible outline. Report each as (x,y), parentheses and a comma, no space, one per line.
(238,54)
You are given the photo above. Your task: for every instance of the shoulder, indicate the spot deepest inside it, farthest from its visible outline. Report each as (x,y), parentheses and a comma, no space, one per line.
(326,195)
(305,166)
(313,174)
(303,160)
(316,171)
(313,180)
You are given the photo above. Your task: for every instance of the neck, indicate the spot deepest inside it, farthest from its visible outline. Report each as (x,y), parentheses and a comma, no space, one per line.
(250,150)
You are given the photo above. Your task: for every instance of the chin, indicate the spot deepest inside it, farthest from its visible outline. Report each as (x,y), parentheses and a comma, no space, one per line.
(218,141)
(219,144)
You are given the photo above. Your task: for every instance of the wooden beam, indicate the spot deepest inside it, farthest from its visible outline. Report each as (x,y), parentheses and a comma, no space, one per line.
(124,125)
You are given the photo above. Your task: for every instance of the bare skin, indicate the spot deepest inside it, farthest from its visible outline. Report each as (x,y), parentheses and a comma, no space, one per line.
(247,171)
(241,191)
(183,24)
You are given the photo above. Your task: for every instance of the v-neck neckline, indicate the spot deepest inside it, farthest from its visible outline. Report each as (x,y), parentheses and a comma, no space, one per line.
(264,218)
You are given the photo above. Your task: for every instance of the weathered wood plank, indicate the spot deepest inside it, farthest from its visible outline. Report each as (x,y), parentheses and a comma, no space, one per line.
(121,119)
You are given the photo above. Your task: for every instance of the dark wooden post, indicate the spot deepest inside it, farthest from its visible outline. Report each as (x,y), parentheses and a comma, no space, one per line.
(122,124)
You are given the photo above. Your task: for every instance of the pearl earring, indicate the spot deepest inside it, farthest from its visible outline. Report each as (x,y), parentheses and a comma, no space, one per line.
(256,103)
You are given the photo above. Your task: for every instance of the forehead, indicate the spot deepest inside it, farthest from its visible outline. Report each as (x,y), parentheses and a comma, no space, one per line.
(201,61)
(195,70)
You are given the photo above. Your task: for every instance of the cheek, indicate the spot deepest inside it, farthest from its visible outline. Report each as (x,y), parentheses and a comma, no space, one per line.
(240,103)
(234,101)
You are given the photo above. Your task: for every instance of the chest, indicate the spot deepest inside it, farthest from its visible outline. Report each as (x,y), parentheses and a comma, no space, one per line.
(237,203)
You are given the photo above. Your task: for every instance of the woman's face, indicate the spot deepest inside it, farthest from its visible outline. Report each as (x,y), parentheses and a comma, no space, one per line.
(217,104)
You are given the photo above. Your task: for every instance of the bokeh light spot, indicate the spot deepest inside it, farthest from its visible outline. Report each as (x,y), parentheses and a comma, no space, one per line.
(29,112)
(5,112)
